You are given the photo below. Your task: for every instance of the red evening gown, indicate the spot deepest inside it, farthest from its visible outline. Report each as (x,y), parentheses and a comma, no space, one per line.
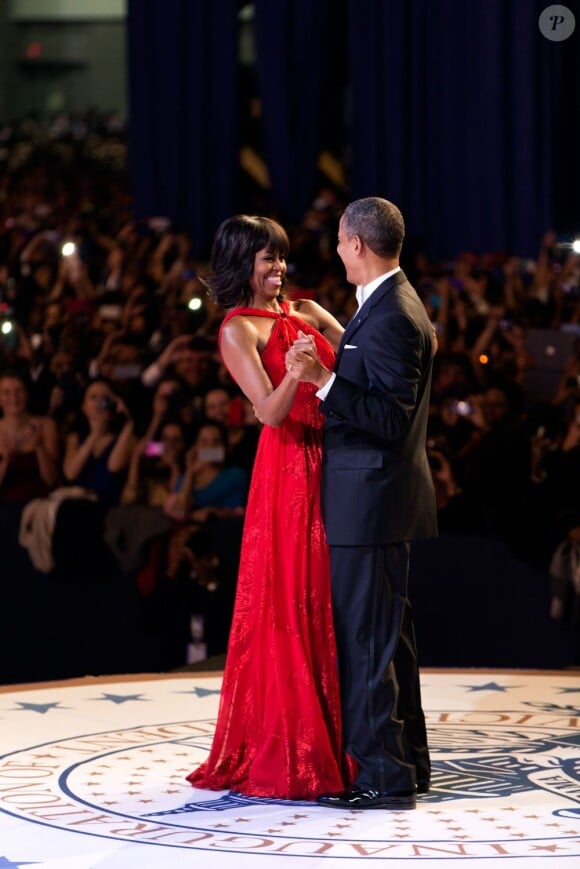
(278,731)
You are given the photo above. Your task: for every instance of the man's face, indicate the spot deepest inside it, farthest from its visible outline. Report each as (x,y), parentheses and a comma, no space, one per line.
(193,366)
(495,406)
(345,250)
(217,405)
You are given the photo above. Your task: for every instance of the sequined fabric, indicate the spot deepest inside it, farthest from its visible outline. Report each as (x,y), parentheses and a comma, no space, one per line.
(278,732)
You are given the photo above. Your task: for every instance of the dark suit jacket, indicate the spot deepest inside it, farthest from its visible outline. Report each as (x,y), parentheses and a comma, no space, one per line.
(376,483)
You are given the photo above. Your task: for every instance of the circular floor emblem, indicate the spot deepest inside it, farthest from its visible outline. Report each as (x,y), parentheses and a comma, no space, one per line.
(505,784)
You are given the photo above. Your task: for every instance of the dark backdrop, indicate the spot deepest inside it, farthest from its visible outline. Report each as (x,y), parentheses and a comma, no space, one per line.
(460,111)
(183,149)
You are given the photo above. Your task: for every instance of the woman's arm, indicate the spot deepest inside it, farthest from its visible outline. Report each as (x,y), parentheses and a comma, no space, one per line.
(76,454)
(239,347)
(47,451)
(121,452)
(6,452)
(179,503)
(131,490)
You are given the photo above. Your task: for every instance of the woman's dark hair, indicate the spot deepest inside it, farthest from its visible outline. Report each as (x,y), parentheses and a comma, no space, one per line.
(16,374)
(235,245)
(99,379)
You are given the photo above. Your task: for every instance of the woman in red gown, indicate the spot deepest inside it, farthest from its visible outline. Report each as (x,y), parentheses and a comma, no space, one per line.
(278,731)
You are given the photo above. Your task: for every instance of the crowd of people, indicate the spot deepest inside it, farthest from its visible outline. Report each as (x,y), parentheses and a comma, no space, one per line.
(112,385)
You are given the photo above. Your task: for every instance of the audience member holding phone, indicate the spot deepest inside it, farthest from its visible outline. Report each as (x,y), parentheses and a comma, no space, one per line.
(210,487)
(98,450)
(166,403)
(231,411)
(157,466)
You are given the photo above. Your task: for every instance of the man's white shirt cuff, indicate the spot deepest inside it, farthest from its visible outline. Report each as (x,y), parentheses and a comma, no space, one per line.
(323,392)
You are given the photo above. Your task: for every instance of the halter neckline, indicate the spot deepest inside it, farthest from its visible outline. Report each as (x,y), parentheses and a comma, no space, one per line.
(262,312)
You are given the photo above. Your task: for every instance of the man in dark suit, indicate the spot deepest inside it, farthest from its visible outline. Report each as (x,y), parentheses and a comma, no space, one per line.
(377,496)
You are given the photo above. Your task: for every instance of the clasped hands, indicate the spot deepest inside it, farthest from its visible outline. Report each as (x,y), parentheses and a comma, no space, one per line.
(302,362)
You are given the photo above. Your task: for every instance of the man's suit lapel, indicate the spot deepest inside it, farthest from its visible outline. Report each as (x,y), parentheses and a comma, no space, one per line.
(363,312)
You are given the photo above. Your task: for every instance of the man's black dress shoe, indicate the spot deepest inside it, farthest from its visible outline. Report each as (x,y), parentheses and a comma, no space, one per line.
(367,798)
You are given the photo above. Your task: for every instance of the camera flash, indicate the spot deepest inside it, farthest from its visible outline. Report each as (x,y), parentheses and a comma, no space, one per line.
(195,304)
(68,248)
(576,245)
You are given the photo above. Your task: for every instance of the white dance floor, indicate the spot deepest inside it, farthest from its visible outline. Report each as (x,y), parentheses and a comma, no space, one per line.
(92,776)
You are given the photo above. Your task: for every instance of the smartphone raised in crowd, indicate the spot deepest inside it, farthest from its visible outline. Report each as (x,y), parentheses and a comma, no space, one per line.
(462,408)
(211,454)
(154,449)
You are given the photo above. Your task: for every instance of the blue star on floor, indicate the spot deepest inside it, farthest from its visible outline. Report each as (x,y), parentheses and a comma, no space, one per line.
(5,863)
(569,690)
(491,686)
(122,698)
(37,707)
(201,692)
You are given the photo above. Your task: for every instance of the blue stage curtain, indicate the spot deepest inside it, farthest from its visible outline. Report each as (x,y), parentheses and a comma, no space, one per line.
(460,111)
(184,145)
(296,43)
(457,117)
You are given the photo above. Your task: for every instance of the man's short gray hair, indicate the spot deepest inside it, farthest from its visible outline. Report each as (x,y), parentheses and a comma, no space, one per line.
(378,223)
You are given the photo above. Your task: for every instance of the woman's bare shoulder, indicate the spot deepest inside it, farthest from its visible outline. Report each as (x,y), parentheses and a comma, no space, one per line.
(239,329)
(313,313)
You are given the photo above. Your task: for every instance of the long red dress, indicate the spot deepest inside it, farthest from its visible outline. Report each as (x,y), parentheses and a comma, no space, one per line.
(278,732)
